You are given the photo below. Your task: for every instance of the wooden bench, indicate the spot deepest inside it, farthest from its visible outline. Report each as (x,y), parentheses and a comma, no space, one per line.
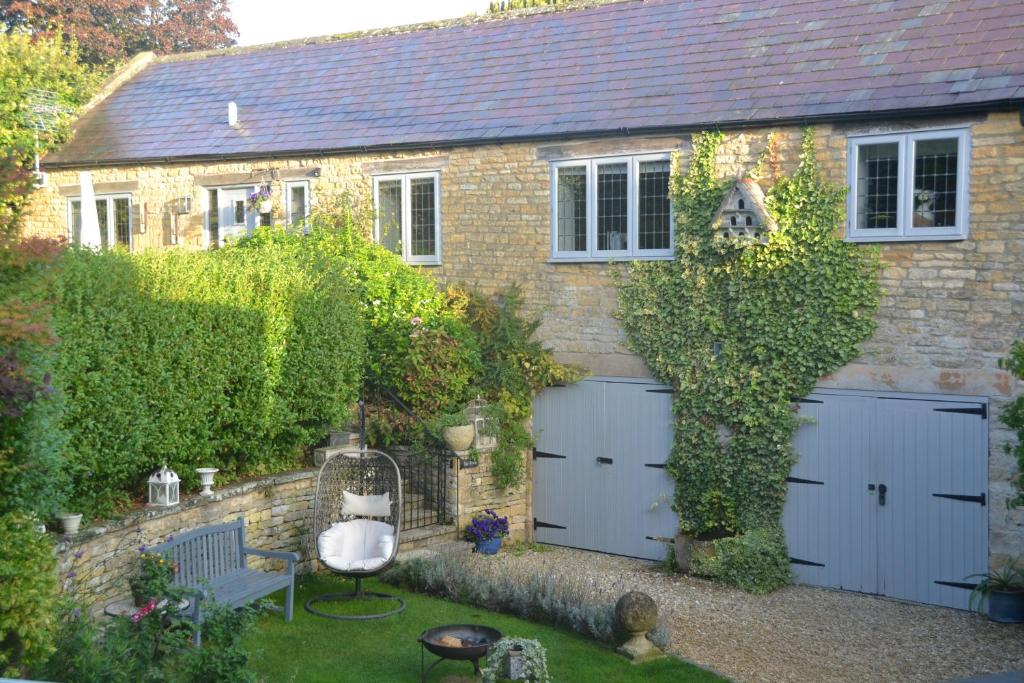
(212,563)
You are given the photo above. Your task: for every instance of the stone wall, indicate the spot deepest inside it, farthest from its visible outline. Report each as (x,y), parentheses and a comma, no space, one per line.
(950,311)
(474,489)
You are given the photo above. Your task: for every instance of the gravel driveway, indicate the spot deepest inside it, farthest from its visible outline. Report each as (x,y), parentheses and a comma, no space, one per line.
(798,633)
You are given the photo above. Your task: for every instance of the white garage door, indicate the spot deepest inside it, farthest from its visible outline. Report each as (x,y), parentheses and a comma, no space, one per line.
(889,495)
(599,481)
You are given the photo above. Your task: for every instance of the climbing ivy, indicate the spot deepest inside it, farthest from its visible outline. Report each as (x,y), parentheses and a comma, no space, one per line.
(739,329)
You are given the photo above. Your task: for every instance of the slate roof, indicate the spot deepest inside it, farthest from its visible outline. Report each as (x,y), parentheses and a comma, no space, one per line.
(642,65)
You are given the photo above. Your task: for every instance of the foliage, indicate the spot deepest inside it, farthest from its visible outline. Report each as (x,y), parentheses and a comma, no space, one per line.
(500,6)
(1013,417)
(783,313)
(1006,579)
(539,597)
(533,655)
(515,367)
(154,644)
(112,30)
(156,574)
(235,358)
(750,560)
(485,526)
(27,593)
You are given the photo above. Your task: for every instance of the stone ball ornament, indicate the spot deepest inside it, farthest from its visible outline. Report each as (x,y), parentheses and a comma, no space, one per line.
(636,613)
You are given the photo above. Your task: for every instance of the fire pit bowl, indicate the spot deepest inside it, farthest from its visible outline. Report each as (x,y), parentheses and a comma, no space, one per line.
(475,639)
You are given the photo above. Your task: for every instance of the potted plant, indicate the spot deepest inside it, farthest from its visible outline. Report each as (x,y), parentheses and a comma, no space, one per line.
(457,430)
(155,578)
(1004,588)
(261,200)
(486,530)
(516,659)
(70,522)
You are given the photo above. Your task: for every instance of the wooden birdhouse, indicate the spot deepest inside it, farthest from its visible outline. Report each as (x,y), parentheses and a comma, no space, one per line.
(742,214)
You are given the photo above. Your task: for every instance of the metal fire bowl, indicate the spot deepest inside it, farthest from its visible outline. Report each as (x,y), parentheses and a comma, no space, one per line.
(482,636)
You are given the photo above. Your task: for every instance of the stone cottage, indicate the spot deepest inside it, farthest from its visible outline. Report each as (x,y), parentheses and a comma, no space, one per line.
(534,148)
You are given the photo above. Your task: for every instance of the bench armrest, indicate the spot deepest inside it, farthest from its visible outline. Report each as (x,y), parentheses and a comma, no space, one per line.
(276,554)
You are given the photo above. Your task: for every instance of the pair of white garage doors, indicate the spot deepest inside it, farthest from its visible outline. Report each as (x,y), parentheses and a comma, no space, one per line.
(889,494)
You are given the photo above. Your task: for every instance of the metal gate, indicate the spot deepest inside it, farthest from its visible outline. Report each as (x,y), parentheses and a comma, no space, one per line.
(889,495)
(599,481)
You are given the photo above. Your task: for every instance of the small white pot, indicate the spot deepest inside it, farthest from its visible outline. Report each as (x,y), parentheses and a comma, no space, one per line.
(206,479)
(71,522)
(265,206)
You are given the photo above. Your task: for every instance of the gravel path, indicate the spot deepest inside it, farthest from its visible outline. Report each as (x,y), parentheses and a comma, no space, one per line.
(798,633)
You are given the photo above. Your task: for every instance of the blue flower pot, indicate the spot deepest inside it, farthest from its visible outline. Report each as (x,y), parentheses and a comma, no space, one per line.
(490,546)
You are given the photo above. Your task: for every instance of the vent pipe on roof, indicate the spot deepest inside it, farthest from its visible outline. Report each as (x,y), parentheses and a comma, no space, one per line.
(232,114)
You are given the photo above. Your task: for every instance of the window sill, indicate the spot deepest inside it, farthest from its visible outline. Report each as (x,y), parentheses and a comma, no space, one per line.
(607,259)
(870,239)
(424,264)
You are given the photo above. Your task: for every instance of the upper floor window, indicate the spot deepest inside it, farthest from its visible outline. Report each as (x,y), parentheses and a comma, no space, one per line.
(114,213)
(908,186)
(296,203)
(408,215)
(614,207)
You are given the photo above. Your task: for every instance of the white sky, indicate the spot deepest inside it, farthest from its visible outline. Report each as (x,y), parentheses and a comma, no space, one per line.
(266,21)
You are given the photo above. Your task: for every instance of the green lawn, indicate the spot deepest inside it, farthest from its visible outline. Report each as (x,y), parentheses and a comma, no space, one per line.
(311,649)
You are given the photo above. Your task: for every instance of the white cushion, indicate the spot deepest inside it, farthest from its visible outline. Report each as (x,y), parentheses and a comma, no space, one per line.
(365,506)
(356,545)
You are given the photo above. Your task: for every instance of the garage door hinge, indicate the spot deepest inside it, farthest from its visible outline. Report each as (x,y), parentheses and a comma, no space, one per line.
(798,480)
(537,524)
(967,499)
(958,584)
(661,391)
(981,410)
(795,560)
(805,400)
(655,465)
(542,454)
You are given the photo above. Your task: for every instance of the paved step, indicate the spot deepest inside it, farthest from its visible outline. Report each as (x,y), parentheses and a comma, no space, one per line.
(425,537)
(344,438)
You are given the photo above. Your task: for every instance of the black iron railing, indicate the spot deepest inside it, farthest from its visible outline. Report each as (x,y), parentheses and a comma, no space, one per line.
(425,466)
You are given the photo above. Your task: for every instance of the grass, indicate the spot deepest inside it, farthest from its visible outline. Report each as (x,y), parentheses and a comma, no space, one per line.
(312,649)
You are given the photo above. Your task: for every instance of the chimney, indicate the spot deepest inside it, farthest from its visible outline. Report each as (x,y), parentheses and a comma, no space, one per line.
(232,114)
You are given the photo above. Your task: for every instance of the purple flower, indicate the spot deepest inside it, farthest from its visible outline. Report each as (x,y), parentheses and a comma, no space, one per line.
(72,574)
(77,612)
(142,548)
(170,537)
(78,555)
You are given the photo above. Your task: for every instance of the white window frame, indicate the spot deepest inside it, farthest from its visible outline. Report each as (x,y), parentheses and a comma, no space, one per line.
(592,253)
(905,230)
(287,203)
(205,203)
(406,178)
(111,228)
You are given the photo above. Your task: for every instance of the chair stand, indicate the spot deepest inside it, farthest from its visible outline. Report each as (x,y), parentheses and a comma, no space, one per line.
(357,594)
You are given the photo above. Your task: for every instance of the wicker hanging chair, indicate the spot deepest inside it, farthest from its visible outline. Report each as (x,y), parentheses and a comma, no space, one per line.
(357,512)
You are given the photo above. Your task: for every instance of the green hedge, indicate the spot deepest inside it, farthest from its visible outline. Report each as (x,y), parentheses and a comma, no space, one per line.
(755,561)
(234,358)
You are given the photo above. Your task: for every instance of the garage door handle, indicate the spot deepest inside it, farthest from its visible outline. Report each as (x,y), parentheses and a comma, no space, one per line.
(604,461)
(882,488)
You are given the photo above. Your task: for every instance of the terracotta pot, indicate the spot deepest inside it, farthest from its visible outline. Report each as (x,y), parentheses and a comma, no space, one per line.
(459,438)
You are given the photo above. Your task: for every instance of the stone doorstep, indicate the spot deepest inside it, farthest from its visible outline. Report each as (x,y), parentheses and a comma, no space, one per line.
(414,541)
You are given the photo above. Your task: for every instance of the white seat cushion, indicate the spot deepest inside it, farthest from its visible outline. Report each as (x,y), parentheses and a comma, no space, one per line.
(356,545)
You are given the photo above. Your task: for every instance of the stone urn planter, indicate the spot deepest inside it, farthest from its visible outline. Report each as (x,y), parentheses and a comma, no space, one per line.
(206,479)
(460,437)
(71,522)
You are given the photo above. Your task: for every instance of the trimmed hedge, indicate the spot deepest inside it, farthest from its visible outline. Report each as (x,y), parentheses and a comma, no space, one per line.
(235,358)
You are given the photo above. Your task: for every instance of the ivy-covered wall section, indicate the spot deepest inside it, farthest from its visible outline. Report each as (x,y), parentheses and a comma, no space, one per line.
(740,328)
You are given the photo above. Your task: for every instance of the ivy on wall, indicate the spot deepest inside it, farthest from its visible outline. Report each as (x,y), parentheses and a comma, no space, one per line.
(739,329)
(1013,417)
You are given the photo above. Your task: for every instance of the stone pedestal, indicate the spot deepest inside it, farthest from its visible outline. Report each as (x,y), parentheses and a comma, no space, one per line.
(635,614)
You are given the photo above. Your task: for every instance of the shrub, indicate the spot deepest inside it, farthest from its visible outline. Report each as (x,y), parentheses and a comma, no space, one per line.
(234,358)
(1013,417)
(755,561)
(28,591)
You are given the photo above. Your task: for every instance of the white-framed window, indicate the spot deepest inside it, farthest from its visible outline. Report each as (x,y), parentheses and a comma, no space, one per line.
(611,208)
(227,213)
(908,186)
(114,212)
(296,203)
(408,215)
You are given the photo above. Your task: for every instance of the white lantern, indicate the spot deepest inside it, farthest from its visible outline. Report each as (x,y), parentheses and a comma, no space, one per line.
(163,487)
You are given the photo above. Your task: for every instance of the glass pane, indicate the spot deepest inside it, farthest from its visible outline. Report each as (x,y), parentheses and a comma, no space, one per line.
(239,212)
(122,221)
(297,204)
(935,183)
(612,209)
(214,217)
(76,222)
(572,208)
(101,215)
(389,214)
(653,212)
(878,168)
(422,202)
